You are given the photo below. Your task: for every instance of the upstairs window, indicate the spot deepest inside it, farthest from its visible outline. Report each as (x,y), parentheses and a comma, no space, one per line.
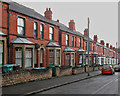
(72,40)
(41,31)
(79,42)
(21,26)
(51,33)
(67,40)
(85,45)
(35,29)
(75,41)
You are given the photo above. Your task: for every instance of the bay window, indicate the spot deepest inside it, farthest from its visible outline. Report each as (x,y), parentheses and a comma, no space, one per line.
(18,56)
(51,57)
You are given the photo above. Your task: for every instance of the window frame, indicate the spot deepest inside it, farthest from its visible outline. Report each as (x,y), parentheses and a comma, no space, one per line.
(51,34)
(80,42)
(42,31)
(75,41)
(35,30)
(67,40)
(19,26)
(72,41)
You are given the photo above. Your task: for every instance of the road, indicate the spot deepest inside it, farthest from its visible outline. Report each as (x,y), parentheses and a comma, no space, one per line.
(103,84)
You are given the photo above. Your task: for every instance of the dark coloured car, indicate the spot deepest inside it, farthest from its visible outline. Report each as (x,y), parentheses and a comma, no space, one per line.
(117,67)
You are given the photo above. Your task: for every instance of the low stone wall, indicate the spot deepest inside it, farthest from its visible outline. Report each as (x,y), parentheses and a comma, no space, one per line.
(21,76)
(78,70)
(63,71)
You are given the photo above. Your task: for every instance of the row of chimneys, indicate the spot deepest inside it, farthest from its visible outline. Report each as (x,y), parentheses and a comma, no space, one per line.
(48,15)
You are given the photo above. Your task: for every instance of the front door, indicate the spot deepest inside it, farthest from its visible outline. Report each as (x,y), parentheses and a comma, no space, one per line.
(68,59)
(41,58)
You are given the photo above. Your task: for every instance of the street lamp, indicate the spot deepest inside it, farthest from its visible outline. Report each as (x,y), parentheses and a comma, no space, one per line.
(88,47)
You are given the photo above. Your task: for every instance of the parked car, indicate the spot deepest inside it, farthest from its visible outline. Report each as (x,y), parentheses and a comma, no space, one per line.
(107,69)
(117,67)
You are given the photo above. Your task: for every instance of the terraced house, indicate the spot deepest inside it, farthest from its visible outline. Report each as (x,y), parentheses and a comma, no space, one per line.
(32,40)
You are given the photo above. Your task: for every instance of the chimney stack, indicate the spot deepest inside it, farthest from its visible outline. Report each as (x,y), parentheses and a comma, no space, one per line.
(102,42)
(86,32)
(72,25)
(95,38)
(48,14)
(107,45)
(110,46)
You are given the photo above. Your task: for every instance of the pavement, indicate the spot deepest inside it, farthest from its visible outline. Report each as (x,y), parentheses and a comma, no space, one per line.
(37,86)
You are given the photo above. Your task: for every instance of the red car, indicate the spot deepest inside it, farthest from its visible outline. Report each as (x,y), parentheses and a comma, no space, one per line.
(107,69)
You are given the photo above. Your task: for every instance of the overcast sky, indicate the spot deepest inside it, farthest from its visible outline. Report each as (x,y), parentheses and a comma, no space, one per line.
(103,15)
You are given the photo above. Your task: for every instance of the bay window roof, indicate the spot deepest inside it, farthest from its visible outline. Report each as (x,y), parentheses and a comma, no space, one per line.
(21,41)
(68,49)
(52,44)
(1,33)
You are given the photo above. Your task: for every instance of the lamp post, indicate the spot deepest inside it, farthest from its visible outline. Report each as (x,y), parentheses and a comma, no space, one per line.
(88,47)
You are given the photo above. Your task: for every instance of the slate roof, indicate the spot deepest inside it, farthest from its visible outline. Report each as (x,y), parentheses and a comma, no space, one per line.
(68,49)
(1,33)
(52,44)
(81,50)
(21,41)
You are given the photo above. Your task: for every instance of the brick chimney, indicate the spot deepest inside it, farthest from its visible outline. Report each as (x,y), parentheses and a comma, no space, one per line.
(86,32)
(110,46)
(72,25)
(107,45)
(102,42)
(95,38)
(48,14)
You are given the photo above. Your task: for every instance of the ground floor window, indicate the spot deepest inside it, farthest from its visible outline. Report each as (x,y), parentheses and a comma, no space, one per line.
(1,53)
(51,57)
(102,60)
(35,57)
(57,57)
(28,58)
(67,59)
(18,56)
(72,57)
(81,59)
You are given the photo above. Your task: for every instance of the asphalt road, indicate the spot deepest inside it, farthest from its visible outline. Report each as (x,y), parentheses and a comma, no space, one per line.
(103,84)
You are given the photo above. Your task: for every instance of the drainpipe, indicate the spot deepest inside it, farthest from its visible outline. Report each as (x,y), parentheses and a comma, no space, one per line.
(8,45)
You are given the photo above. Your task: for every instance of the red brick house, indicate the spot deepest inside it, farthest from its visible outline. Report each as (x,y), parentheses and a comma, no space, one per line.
(33,40)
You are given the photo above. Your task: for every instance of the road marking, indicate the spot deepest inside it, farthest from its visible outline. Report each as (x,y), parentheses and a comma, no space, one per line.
(104,86)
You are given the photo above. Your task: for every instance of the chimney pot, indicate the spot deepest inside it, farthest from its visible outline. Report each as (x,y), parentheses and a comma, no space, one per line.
(107,45)
(95,38)
(102,42)
(86,32)
(57,20)
(48,14)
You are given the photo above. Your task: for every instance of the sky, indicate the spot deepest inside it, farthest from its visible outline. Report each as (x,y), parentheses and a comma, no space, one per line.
(103,15)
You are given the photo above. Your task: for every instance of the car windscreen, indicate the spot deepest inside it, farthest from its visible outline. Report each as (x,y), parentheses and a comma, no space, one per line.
(106,67)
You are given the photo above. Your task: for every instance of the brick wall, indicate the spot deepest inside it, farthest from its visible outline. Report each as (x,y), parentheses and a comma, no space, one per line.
(21,76)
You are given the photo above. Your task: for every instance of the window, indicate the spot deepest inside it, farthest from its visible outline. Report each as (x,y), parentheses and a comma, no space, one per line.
(18,56)
(67,40)
(79,42)
(85,45)
(1,53)
(67,61)
(51,33)
(35,29)
(41,57)
(81,59)
(35,57)
(75,41)
(57,57)
(21,26)
(28,57)
(72,40)
(93,48)
(72,57)
(41,30)
(51,57)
